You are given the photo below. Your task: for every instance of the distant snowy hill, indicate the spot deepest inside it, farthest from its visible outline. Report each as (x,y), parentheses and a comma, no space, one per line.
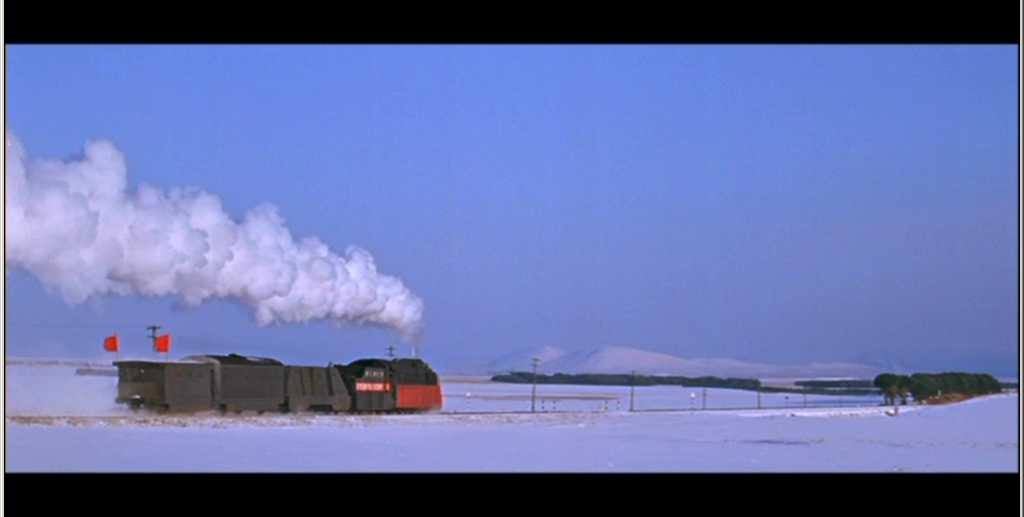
(621,359)
(617,359)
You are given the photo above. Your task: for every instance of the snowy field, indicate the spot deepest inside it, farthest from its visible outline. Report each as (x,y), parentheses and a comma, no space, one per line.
(60,422)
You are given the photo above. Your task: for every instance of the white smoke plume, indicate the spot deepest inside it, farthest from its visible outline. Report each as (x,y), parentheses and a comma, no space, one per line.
(75,226)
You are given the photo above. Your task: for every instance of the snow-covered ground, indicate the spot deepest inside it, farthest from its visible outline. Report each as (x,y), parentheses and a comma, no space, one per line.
(95,435)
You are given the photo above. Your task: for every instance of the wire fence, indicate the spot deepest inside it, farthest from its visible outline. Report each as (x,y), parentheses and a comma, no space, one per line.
(597,399)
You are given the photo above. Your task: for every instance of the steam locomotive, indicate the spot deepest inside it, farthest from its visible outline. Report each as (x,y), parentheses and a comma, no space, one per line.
(235,383)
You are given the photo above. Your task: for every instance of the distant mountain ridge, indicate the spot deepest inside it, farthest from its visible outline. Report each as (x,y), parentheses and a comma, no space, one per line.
(621,359)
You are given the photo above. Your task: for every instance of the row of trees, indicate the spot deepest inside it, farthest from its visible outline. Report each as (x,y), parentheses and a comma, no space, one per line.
(609,379)
(923,386)
(846,383)
(920,386)
(805,390)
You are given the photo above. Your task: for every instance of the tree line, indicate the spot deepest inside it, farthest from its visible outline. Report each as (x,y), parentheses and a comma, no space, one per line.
(920,386)
(806,390)
(613,379)
(845,383)
(923,386)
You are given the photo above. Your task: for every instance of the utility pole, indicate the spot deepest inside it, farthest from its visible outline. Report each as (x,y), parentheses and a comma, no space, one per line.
(805,400)
(152,335)
(391,351)
(533,392)
(704,398)
(632,384)
(758,399)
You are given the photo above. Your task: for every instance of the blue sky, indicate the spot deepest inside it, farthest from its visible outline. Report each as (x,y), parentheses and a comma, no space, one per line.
(779,204)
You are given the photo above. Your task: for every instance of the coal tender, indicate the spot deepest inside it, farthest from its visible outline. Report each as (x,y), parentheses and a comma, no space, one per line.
(234,383)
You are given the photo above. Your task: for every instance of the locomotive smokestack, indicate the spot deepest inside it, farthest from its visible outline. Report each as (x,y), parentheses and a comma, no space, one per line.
(76,226)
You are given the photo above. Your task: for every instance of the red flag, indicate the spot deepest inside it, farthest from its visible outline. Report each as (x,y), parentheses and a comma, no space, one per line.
(163,344)
(112,344)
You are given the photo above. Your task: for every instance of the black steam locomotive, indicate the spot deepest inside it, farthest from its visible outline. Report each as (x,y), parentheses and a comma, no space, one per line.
(235,383)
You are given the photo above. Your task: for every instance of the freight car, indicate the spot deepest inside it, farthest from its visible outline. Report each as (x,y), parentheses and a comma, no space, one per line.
(235,383)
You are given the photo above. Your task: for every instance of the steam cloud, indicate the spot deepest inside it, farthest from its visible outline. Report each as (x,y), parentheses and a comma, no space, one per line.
(74,225)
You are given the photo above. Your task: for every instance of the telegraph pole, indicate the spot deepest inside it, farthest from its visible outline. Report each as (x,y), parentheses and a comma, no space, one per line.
(533,393)
(632,383)
(152,335)
(758,399)
(391,351)
(704,398)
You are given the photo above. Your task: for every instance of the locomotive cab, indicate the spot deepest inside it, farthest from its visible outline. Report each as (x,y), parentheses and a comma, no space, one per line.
(404,385)
(370,384)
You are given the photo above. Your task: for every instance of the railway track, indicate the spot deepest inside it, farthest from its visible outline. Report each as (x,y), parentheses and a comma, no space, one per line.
(217,420)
